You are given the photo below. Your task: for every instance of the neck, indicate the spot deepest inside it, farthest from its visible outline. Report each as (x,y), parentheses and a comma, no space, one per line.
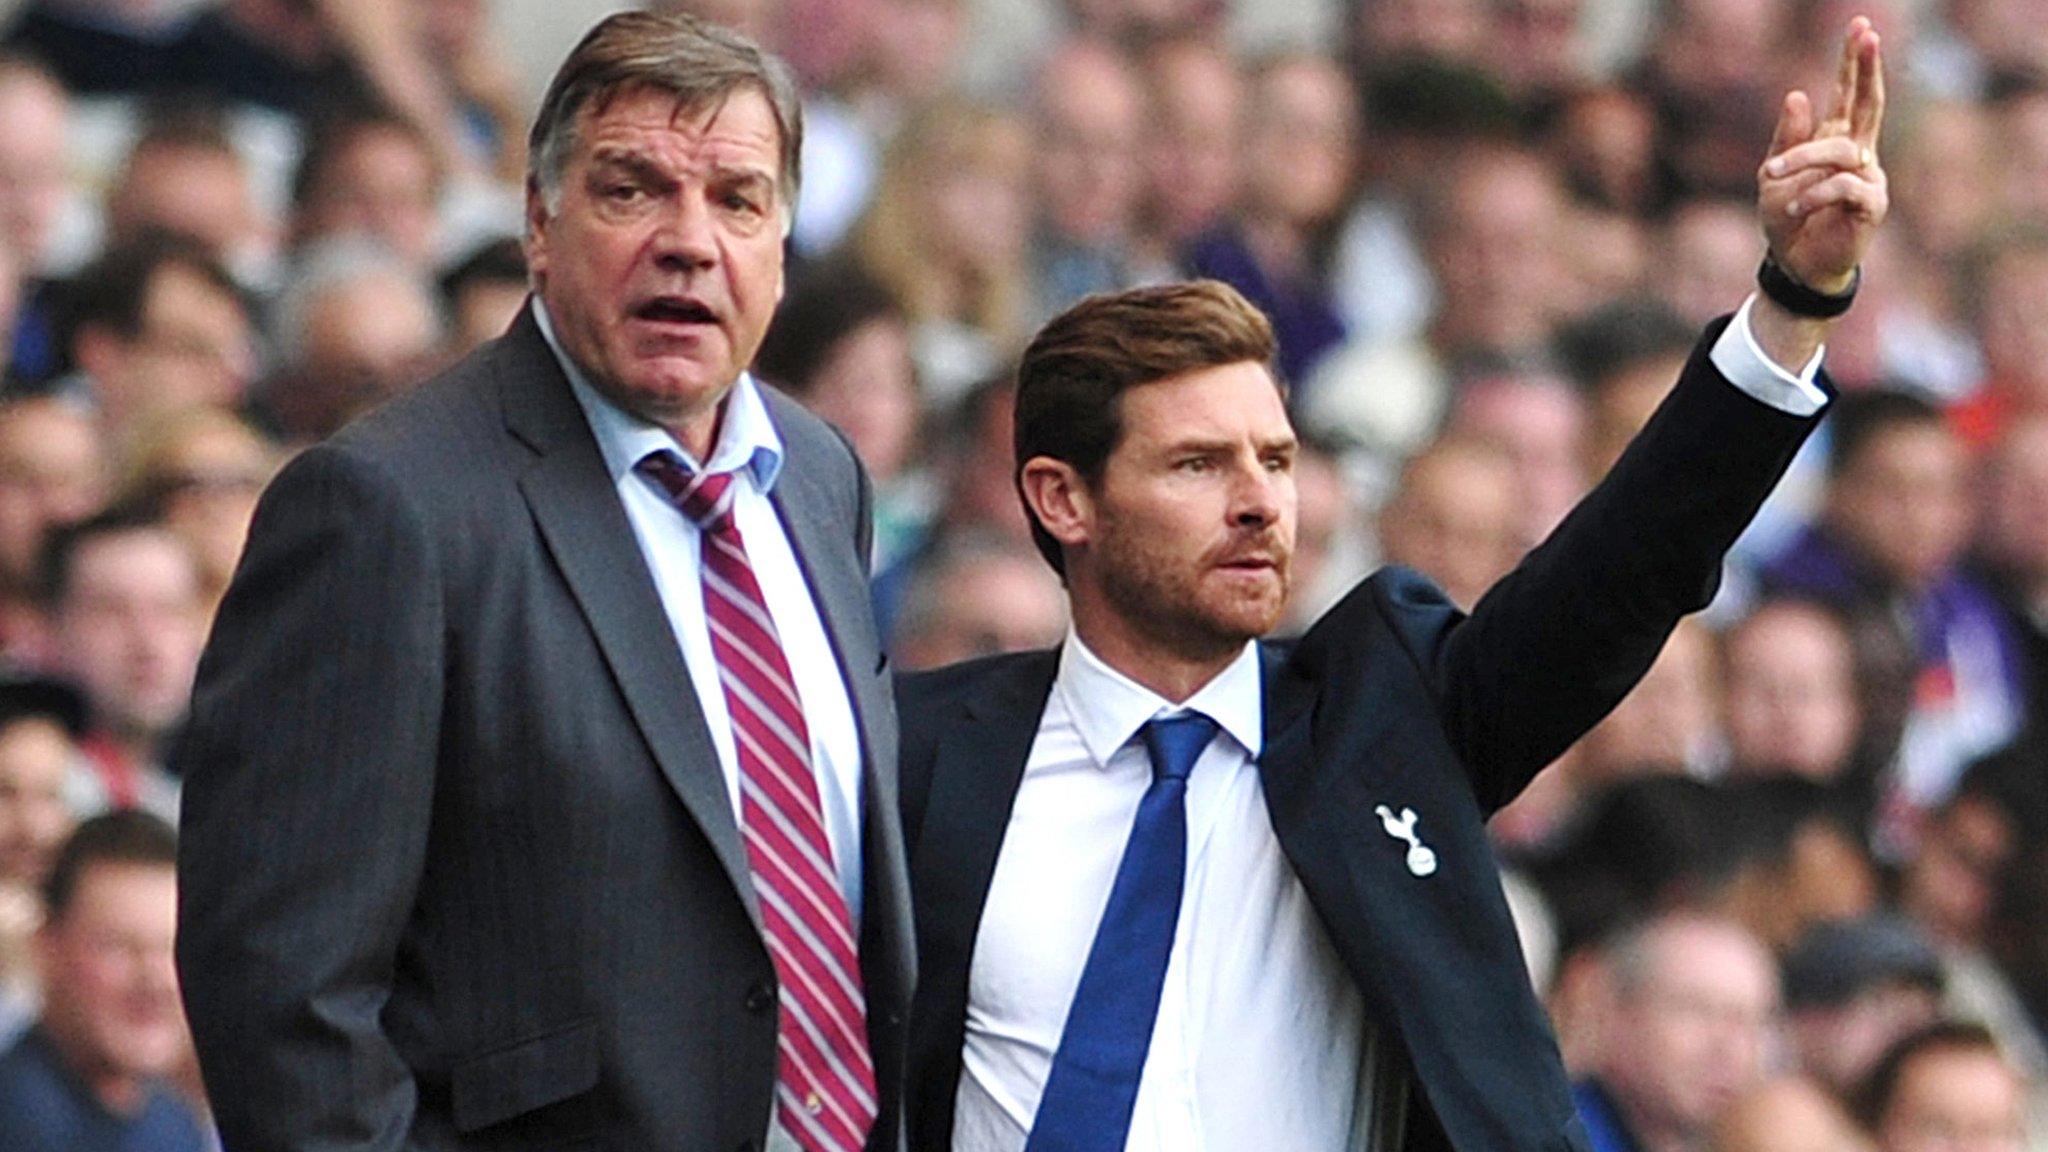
(1175,671)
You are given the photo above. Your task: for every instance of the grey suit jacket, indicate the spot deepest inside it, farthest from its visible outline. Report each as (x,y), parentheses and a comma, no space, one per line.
(459,869)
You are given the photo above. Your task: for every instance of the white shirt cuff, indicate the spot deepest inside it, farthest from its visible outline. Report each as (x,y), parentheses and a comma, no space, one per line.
(1738,357)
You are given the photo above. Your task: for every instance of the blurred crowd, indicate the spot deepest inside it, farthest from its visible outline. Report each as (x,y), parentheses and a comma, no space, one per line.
(1792,895)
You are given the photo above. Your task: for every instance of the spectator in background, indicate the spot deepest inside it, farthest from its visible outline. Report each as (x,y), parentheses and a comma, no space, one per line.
(2006,298)
(946,236)
(89,1076)
(2012,545)
(1455,516)
(1954,886)
(1604,137)
(1279,246)
(33,194)
(1853,988)
(1946,1086)
(98,47)
(1624,356)
(2018,100)
(1709,250)
(355,325)
(128,618)
(41,721)
(1191,157)
(1799,859)
(486,96)
(978,595)
(1387,31)
(1885,554)
(1695,999)
(1712,106)
(184,176)
(840,345)
(1788,1114)
(1535,47)
(1330,553)
(1491,236)
(52,473)
(1945,175)
(1791,704)
(1137,21)
(1088,107)
(1667,724)
(1539,422)
(200,470)
(483,292)
(307,58)
(369,173)
(1971,40)
(153,327)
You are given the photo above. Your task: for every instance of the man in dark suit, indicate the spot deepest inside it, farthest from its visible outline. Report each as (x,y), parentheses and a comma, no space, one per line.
(540,778)
(1178,889)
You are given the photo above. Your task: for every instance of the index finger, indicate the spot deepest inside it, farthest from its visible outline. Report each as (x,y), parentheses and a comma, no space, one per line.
(1866,112)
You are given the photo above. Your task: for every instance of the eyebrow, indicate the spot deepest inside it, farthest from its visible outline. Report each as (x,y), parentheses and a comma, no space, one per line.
(633,162)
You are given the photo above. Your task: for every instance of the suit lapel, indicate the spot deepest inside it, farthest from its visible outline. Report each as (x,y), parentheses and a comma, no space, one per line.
(585,529)
(805,504)
(978,763)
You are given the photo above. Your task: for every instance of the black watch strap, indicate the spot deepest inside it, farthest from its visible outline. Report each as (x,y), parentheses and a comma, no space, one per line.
(1788,293)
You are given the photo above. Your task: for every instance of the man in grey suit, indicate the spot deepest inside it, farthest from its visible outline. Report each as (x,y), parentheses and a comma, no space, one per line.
(540,776)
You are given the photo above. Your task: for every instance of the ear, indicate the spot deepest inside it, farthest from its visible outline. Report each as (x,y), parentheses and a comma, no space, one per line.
(535,240)
(1060,499)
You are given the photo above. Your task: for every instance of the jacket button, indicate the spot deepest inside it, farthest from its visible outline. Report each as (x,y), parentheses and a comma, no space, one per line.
(760,996)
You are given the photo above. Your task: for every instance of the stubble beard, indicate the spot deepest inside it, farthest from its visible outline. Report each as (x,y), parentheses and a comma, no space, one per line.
(1172,603)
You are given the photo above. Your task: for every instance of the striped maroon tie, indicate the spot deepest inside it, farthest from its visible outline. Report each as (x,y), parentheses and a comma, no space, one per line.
(825,1090)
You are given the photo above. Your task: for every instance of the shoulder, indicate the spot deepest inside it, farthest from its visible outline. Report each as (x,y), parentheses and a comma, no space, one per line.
(934,689)
(1395,603)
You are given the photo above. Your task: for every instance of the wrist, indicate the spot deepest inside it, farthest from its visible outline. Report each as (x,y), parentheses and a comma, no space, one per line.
(1789,340)
(1821,299)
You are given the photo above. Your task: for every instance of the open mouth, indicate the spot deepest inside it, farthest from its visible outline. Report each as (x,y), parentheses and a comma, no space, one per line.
(675,310)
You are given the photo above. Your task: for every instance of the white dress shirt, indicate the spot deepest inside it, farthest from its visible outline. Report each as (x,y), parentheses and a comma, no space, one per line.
(669,541)
(1261,1041)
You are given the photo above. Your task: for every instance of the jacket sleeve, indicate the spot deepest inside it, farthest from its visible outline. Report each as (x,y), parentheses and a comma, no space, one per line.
(309,768)
(1560,640)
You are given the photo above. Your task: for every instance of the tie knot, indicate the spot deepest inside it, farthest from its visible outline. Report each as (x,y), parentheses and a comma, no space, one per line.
(705,497)
(1175,742)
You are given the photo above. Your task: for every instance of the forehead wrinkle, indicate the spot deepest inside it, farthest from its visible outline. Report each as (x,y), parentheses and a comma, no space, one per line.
(676,143)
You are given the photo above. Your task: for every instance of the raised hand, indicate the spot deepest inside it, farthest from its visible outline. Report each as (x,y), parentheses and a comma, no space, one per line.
(1821,192)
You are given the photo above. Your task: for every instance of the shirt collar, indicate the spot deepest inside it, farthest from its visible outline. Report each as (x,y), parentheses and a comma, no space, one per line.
(747,438)
(1108,708)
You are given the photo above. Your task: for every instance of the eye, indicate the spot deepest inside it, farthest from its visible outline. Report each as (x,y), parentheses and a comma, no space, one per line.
(1195,465)
(740,202)
(623,193)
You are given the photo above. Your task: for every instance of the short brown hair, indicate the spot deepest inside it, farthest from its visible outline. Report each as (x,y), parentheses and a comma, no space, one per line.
(1072,378)
(697,62)
(128,836)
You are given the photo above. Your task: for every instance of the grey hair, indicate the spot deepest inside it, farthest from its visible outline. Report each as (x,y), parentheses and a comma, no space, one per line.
(697,62)
(334,263)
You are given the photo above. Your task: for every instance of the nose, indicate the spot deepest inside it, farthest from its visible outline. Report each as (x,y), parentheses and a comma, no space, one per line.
(686,240)
(1256,498)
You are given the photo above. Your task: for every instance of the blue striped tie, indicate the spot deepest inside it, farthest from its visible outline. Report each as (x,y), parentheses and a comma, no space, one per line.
(1093,1085)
